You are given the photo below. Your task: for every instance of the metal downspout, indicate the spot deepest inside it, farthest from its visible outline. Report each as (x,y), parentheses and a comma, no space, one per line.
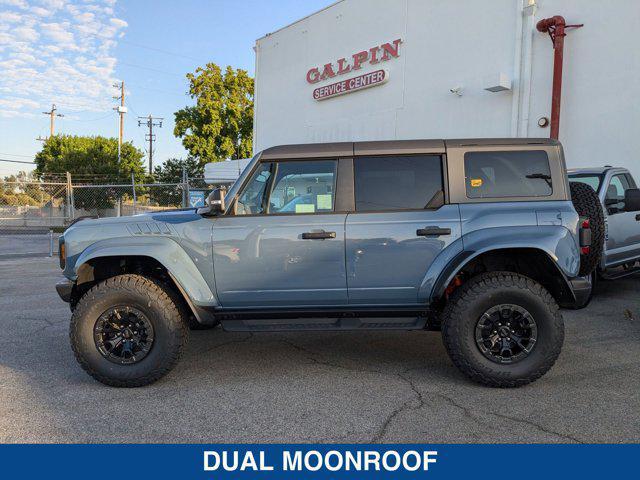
(555,26)
(522,68)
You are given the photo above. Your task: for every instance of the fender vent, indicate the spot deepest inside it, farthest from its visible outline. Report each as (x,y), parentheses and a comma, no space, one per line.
(149,228)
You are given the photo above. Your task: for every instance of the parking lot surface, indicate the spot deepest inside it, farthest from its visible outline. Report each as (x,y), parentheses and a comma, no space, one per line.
(313,387)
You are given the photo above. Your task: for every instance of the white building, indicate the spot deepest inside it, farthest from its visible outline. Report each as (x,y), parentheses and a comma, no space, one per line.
(435,85)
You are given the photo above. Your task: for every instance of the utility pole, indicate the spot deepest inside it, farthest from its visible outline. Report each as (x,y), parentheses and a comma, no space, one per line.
(150,122)
(52,115)
(121,109)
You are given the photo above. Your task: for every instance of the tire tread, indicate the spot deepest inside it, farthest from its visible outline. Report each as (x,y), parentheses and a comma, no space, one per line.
(156,292)
(455,309)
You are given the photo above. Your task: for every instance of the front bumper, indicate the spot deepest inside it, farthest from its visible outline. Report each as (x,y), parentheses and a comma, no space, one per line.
(64,288)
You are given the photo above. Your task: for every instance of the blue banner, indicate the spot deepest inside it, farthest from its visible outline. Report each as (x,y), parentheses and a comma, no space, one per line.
(539,462)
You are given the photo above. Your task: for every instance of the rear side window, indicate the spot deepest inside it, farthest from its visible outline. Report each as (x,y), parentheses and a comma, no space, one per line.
(402,182)
(507,174)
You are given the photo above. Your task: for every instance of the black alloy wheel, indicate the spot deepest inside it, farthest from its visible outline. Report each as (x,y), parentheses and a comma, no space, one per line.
(506,333)
(123,335)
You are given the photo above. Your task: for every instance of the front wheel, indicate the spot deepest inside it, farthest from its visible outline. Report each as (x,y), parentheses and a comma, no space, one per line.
(502,329)
(128,331)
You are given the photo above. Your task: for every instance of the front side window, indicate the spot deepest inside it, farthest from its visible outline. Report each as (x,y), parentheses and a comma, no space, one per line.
(251,200)
(303,187)
(614,198)
(401,182)
(507,174)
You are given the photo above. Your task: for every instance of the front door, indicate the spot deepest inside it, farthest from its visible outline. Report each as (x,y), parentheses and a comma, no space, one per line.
(623,239)
(399,227)
(283,245)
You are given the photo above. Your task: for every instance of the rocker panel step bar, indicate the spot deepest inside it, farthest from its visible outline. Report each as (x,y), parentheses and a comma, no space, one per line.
(316,324)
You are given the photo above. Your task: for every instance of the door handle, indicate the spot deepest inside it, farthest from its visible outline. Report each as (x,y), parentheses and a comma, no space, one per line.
(638,217)
(318,235)
(432,232)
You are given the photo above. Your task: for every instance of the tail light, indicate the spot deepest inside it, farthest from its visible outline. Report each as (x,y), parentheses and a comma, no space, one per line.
(585,236)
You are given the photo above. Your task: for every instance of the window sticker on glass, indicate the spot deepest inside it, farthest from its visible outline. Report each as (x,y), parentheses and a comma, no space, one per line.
(324,202)
(476,182)
(305,208)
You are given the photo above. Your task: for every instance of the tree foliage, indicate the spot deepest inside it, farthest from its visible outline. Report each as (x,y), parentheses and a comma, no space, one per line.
(89,156)
(220,124)
(171,172)
(22,189)
(93,158)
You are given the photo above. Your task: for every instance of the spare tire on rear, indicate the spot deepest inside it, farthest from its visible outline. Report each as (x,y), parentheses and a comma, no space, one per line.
(587,204)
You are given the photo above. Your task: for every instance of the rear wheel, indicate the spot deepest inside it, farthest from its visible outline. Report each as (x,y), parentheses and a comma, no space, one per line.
(587,204)
(502,329)
(128,331)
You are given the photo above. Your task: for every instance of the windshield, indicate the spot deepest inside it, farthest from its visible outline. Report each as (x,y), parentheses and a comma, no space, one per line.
(590,179)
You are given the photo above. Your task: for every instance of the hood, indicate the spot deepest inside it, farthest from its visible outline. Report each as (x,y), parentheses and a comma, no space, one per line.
(169,216)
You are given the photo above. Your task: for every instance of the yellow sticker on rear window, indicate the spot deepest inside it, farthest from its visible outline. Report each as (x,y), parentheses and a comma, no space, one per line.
(476,182)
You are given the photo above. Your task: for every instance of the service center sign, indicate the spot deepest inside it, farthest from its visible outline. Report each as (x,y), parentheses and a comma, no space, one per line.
(373,56)
(353,84)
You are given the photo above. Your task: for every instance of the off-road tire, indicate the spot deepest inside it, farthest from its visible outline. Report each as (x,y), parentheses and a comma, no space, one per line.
(469,302)
(152,298)
(587,204)
(185,311)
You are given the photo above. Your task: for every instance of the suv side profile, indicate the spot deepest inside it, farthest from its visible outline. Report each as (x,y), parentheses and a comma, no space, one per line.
(476,238)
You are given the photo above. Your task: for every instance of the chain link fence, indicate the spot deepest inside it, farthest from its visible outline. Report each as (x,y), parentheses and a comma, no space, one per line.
(33,214)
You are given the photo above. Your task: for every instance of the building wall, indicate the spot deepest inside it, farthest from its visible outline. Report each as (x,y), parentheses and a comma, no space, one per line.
(461,43)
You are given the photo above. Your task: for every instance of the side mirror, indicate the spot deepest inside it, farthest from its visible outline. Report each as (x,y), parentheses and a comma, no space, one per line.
(632,200)
(215,203)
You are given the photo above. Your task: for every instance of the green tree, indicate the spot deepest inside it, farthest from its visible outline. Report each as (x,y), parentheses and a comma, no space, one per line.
(171,172)
(91,156)
(220,124)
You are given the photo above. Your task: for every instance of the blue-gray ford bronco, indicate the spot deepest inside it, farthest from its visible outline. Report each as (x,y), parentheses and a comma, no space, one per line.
(482,240)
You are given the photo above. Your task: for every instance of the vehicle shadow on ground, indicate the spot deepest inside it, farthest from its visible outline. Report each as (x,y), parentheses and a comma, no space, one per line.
(365,386)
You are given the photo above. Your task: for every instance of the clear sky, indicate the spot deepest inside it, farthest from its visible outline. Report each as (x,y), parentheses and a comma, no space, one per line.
(70,52)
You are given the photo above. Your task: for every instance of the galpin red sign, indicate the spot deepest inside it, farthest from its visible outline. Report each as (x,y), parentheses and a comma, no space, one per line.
(360,82)
(372,56)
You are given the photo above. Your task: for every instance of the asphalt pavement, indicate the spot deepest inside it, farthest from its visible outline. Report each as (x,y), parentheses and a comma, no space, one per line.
(313,387)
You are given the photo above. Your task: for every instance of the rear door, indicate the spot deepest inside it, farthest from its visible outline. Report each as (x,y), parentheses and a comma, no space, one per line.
(400,225)
(623,230)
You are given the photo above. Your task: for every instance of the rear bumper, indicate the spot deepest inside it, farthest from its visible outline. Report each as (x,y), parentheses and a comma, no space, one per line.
(64,288)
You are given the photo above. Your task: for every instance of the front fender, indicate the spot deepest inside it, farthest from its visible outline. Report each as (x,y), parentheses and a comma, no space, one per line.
(163,249)
(554,240)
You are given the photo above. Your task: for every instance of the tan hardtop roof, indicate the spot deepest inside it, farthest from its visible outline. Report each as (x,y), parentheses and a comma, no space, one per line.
(388,147)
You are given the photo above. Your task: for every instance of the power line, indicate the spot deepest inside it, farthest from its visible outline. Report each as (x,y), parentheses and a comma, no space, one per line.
(151,69)
(16,161)
(90,120)
(139,45)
